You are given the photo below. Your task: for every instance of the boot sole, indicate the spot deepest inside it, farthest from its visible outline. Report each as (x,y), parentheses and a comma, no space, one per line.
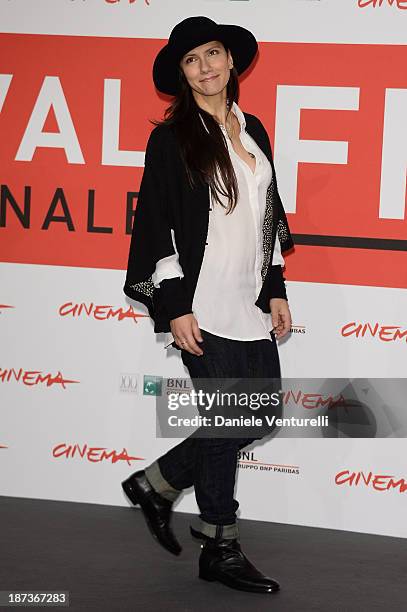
(213,578)
(132,495)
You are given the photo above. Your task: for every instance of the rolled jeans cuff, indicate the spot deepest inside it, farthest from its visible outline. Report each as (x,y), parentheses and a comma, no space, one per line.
(226,532)
(159,484)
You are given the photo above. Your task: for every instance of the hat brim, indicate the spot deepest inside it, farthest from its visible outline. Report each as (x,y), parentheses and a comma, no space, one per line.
(241,42)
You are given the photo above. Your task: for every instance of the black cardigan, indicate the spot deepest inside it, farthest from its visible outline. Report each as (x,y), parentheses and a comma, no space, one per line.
(166,201)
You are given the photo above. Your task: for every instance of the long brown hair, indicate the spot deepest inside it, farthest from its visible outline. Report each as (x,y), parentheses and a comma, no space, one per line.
(202,151)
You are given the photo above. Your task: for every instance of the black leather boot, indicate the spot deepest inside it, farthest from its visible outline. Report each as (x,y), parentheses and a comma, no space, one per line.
(156,509)
(223,560)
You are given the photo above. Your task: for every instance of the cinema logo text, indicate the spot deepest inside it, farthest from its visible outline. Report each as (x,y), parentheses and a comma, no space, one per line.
(313,400)
(94,454)
(100,312)
(33,378)
(399,4)
(378,482)
(385,333)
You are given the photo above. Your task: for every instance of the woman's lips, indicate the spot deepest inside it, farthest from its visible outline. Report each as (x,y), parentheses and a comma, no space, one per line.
(209,78)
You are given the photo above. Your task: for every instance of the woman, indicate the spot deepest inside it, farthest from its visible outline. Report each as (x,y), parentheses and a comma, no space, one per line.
(206,259)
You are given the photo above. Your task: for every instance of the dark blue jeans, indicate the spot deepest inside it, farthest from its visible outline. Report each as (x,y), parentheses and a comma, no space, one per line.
(209,464)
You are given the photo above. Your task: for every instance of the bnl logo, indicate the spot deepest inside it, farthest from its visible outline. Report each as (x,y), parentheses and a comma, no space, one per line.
(152,385)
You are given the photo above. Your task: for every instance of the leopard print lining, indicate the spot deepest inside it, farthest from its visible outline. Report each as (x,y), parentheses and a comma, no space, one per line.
(282,231)
(146,287)
(267,230)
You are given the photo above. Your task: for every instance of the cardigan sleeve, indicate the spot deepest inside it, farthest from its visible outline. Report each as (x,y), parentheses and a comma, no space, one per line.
(151,239)
(168,267)
(276,285)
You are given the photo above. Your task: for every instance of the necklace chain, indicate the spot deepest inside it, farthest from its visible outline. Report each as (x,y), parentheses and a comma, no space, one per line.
(227,131)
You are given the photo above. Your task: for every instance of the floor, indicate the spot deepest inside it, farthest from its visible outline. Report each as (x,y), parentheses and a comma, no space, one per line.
(107,560)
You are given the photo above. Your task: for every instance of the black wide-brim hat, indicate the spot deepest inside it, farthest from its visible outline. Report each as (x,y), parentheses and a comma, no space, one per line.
(191,33)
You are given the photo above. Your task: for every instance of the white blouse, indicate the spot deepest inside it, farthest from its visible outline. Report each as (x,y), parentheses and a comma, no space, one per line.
(230,280)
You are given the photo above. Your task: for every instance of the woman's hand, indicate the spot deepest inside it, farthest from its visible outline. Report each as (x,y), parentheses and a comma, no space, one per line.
(280,316)
(186,331)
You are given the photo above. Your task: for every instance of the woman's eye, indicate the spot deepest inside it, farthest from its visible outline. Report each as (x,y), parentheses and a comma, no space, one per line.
(191,59)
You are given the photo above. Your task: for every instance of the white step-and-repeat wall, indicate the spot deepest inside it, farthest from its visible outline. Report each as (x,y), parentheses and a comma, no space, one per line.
(80,364)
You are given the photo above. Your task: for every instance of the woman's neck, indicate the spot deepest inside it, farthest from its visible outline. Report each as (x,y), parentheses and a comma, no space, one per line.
(215,106)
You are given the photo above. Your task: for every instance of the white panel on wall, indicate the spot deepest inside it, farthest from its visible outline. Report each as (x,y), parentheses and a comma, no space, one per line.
(271,20)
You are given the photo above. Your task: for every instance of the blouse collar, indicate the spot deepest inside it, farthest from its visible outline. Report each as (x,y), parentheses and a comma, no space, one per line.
(239,114)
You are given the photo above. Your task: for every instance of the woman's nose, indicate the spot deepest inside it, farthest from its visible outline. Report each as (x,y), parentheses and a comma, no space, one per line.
(204,65)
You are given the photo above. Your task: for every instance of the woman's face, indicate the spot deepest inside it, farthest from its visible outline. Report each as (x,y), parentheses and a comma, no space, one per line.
(207,68)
